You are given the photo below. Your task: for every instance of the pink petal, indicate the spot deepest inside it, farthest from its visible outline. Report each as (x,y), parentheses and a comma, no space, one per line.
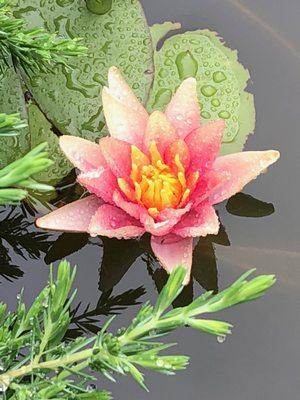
(240,168)
(159,130)
(117,154)
(84,154)
(101,182)
(119,88)
(173,251)
(166,220)
(74,217)
(133,209)
(123,122)
(183,110)
(112,222)
(209,184)
(178,147)
(204,145)
(198,222)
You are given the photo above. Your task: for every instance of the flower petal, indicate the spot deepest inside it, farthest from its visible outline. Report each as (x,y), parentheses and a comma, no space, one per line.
(183,110)
(84,154)
(204,145)
(112,222)
(165,221)
(102,182)
(117,154)
(178,147)
(159,130)
(119,88)
(74,217)
(240,168)
(198,222)
(123,122)
(173,251)
(133,209)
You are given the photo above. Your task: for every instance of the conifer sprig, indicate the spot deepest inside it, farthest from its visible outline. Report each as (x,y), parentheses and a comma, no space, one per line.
(37,363)
(10,124)
(32,49)
(16,178)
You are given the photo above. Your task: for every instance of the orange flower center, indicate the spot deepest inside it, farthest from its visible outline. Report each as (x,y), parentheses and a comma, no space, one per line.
(156,185)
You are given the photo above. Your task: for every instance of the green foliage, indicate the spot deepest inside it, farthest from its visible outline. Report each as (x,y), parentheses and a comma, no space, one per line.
(16,177)
(71,97)
(32,349)
(12,102)
(221,80)
(32,49)
(10,124)
(41,131)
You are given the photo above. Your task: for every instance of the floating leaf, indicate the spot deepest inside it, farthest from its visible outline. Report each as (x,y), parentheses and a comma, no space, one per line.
(12,102)
(221,81)
(70,98)
(40,131)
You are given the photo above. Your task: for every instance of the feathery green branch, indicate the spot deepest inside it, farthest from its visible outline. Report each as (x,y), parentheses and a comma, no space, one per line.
(16,177)
(32,49)
(10,124)
(32,345)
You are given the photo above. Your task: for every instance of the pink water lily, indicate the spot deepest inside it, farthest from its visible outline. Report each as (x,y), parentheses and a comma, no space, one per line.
(157,173)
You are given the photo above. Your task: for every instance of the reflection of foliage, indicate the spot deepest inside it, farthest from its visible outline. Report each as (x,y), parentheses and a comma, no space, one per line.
(66,244)
(17,234)
(8,270)
(118,257)
(88,319)
(244,205)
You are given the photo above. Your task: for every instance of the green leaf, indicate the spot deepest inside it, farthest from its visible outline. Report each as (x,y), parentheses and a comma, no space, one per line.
(70,98)
(40,131)
(221,82)
(12,101)
(10,124)
(170,291)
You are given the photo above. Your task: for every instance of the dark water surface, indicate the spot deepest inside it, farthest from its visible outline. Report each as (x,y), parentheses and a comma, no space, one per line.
(261,359)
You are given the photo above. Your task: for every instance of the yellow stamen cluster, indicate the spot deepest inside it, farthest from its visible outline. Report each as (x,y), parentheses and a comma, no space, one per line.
(155,184)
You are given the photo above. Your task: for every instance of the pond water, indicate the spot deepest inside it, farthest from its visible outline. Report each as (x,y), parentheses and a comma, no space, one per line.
(260,360)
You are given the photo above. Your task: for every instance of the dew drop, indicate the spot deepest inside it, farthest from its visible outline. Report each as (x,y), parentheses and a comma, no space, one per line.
(208,90)
(224,114)
(219,76)
(221,338)
(215,102)
(186,64)
(205,114)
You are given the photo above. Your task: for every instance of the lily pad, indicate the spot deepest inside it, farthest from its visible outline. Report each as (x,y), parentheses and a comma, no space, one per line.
(70,98)
(37,131)
(40,131)
(12,101)
(222,81)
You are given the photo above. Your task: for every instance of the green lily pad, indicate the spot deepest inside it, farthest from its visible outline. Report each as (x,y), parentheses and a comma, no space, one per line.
(12,101)
(70,98)
(40,131)
(221,81)
(37,131)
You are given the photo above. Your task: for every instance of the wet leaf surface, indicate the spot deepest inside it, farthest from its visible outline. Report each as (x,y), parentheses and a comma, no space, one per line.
(221,81)
(70,97)
(12,101)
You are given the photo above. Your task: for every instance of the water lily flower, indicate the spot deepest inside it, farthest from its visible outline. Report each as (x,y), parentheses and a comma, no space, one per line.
(157,173)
